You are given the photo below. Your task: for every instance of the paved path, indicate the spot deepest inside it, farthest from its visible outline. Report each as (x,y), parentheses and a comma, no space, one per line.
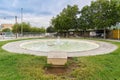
(104,48)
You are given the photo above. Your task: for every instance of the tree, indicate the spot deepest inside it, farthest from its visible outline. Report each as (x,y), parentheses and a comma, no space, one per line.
(50,29)
(66,20)
(101,14)
(106,13)
(42,30)
(85,20)
(6,30)
(16,28)
(37,30)
(27,28)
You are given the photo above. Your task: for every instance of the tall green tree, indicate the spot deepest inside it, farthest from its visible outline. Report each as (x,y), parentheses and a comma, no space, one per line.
(16,28)
(85,20)
(27,28)
(50,29)
(67,19)
(37,30)
(24,26)
(101,14)
(106,13)
(6,30)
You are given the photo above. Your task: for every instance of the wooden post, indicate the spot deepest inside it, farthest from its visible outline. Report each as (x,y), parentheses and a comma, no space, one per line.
(118,34)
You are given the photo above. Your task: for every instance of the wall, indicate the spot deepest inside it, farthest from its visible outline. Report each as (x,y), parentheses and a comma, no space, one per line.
(6,26)
(115,34)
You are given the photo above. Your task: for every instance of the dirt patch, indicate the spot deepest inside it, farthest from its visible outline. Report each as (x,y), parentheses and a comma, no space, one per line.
(56,70)
(64,69)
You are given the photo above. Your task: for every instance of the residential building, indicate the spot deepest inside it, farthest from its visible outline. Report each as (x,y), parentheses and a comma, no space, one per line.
(3,26)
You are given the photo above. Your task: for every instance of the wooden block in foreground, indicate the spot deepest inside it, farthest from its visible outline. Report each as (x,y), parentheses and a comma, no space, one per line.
(57,58)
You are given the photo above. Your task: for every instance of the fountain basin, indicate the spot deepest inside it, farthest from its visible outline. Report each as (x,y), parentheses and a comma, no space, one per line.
(63,45)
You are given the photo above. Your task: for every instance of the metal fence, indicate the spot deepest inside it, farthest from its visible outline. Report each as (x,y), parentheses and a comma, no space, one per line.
(5,35)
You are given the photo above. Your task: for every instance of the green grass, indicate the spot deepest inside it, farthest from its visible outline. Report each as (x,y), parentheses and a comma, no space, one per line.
(28,67)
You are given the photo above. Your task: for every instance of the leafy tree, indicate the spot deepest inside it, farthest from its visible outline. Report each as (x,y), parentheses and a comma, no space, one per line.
(50,29)
(42,30)
(106,13)
(33,29)
(37,30)
(6,30)
(101,14)
(66,20)
(85,20)
(16,28)
(26,27)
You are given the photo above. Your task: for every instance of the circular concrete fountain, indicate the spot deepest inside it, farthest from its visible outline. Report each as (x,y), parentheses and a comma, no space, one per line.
(57,50)
(72,47)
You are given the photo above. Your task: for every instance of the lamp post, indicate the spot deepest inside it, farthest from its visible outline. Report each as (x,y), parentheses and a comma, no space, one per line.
(21,21)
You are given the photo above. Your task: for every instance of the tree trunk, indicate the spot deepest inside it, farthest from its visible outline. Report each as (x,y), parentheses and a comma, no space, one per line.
(84,33)
(104,33)
(16,35)
(67,34)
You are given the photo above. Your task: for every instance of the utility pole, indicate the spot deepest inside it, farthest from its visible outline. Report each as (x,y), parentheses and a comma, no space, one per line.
(16,26)
(21,21)
(15,19)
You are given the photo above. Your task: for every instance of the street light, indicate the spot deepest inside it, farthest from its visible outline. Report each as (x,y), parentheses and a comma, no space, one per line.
(21,21)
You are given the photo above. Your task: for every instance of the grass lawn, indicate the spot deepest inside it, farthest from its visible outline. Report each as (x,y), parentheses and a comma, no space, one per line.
(28,67)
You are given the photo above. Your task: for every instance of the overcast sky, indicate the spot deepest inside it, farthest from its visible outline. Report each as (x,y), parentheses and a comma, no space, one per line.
(36,12)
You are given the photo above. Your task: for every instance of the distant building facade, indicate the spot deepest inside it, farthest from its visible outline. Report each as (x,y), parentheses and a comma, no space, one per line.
(0,28)
(4,26)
